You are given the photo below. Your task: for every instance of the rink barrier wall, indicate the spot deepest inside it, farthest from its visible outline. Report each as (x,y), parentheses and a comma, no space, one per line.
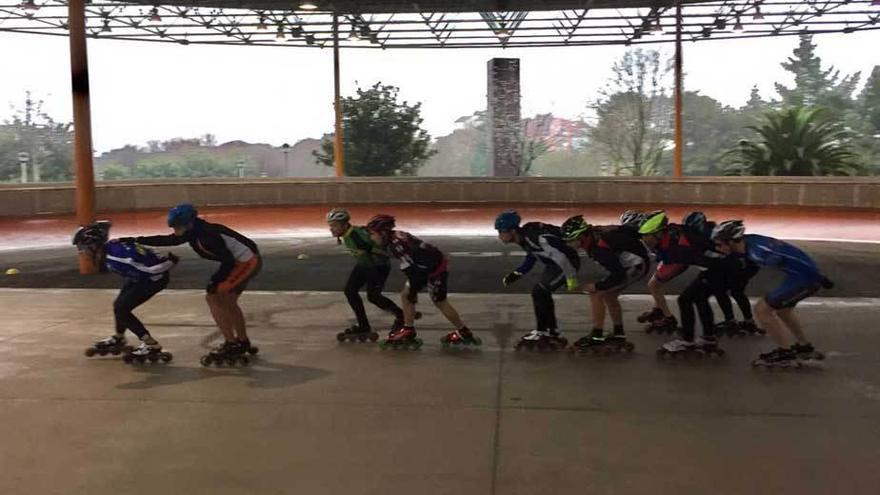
(807,192)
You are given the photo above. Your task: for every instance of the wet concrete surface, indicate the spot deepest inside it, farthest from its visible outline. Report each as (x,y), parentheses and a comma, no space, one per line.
(317,417)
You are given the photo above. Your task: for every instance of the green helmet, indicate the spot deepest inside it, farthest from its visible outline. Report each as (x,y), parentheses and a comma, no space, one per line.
(574,227)
(655,223)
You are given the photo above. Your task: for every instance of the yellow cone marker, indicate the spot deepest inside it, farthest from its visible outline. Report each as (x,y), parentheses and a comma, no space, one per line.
(302,256)
(12,271)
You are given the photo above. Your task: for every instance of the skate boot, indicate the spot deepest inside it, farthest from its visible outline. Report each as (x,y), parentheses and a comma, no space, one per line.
(357,334)
(649,316)
(666,324)
(228,352)
(678,347)
(398,322)
(541,340)
(806,352)
(463,337)
(149,350)
(729,328)
(750,328)
(709,346)
(115,344)
(617,343)
(405,338)
(777,358)
(248,348)
(589,342)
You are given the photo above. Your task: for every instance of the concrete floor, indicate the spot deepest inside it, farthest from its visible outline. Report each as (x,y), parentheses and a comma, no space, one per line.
(315,417)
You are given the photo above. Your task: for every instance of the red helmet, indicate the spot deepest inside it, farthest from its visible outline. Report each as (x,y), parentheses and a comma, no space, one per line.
(381,223)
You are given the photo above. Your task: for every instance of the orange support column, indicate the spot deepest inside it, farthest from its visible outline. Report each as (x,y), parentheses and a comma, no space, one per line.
(82,125)
(338,148)
(677,172)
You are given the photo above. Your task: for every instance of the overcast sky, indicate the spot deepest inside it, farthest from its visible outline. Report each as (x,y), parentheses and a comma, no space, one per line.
(143,91)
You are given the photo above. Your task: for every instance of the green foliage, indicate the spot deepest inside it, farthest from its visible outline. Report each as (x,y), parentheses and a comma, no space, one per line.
(632,114)
(795,141)
(382,136)
(189,165)
(48,143)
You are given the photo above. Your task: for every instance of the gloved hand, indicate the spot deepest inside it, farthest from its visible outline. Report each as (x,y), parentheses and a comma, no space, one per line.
(571,283)
(211,288)
(510,278)
(127,240)
(173,257)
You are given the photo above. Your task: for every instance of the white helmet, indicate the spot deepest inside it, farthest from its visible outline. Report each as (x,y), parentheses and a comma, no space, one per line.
(338,215)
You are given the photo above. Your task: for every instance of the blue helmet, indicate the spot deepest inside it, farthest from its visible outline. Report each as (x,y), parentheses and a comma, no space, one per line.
(507,220)
(182,214)
(695,219)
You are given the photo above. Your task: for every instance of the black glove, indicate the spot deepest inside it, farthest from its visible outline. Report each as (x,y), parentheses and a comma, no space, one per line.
(211,288)
(511,277)
(173,257)
(825,282)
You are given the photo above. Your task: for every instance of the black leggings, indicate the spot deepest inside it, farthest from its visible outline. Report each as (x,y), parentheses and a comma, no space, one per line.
(132,295)
(542,297)
(374,278)
(733,275)
(697,294)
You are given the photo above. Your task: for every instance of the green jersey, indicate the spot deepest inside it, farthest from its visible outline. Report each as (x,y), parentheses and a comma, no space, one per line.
(365,251)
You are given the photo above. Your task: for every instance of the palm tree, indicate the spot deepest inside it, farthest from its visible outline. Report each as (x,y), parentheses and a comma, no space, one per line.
(795,141)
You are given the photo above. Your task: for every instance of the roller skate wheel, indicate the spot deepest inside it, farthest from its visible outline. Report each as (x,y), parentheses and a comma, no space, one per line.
(115,351)
(102,352)
(205,360)
(153,358)
(141,359)
(166,357)
(90,352)
(218,361)
(418,315)
(244,360)
(341,337)
(362,338)
(477,340)
(374,336)
(128,358)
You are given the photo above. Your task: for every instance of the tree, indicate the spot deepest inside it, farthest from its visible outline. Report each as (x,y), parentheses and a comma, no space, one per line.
(815,85)
(868,129)
(709,130)
(632,114)
(49,144)
(795,141)
(531,150)
(382,136)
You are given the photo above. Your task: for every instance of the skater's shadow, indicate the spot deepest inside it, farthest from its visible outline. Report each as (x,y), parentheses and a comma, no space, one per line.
(260,374)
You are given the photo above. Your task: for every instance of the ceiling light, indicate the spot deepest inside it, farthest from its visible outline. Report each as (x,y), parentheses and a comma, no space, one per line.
(308,6)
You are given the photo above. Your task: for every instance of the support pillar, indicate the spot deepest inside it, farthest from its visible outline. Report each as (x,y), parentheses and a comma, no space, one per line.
(82,124)
(338,148)
(503,118)
(679,138)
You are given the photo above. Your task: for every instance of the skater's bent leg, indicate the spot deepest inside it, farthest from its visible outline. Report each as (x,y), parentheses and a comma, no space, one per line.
(790,319)
(221,316)
(356,280)
(407,303)
(545,310)
(773,325)
(614,309)
(658,292)
(686,309)
(375,285)
(239,325)
(745,306)
(450,313)
(597,309)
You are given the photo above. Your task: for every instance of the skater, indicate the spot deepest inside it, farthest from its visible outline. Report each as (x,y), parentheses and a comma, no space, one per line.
(775,311)
(660,318)
(621,253)
(371,269)
(726,280)
(240,262)
(687,246)
(145,274)
(632,219)
(424,266)
(543,242)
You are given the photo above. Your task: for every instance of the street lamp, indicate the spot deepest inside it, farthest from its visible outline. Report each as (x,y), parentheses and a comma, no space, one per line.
(240,169)
(285,148)
(23,159)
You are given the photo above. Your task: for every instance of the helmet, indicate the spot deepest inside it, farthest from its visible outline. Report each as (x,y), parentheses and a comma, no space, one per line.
(338,215)
(95,234)
(574,227)
(381,223)
(507,220)
(655,223)
(695,219)
(632,218)
(182,214)
(731,230)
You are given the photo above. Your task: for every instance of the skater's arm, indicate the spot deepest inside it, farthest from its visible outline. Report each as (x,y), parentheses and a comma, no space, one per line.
(161,240)
(141,266)
(527,264)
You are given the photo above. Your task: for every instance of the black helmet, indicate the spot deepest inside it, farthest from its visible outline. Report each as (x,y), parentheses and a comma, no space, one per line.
(95,234)
(695,219)
(574,227)
(632,218)
(731,230)
(381,223)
